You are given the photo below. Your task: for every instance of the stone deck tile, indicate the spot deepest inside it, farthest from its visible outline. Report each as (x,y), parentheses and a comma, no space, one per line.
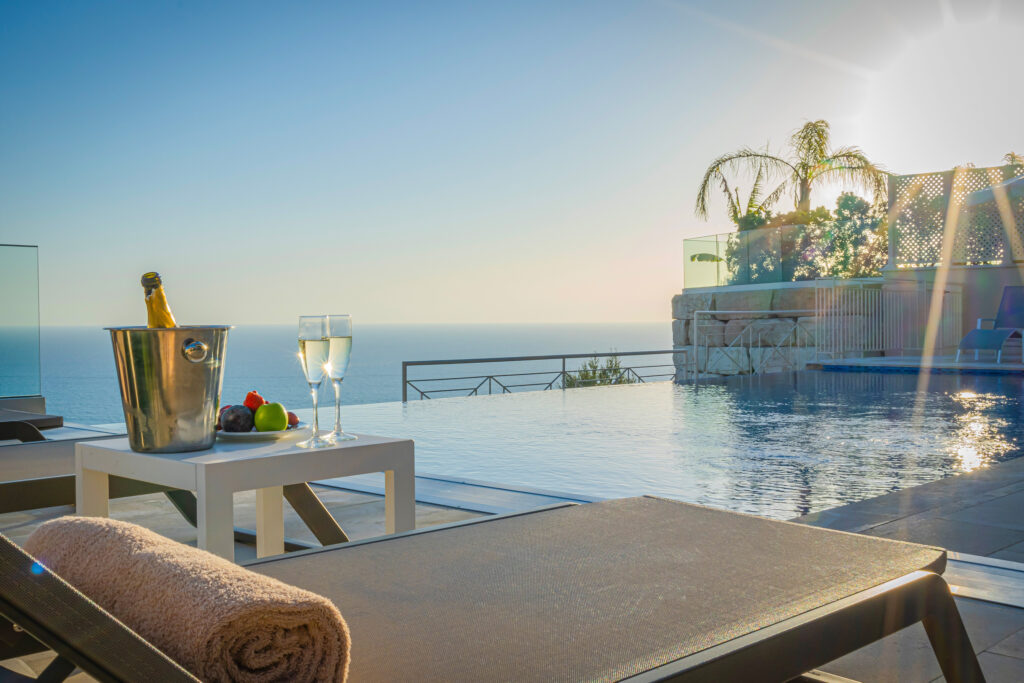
(964,537)
(1014,553)
(998,669)
(1006,512)
(1013,646)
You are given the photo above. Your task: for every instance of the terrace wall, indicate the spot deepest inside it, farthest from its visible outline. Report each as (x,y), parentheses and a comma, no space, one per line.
(774,300)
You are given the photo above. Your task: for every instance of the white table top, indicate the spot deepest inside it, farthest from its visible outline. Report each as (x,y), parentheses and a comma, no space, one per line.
(264,466)
(224,452)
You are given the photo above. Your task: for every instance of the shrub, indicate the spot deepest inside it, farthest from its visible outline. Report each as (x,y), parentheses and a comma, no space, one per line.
(592,374)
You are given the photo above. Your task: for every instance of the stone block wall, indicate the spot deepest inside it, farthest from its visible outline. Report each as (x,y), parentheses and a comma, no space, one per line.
(784,336)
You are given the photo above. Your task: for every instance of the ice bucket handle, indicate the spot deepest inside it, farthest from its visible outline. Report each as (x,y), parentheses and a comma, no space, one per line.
(194,350)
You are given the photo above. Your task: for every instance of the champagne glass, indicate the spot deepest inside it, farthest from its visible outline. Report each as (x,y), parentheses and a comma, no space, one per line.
(313,355)
(339,339)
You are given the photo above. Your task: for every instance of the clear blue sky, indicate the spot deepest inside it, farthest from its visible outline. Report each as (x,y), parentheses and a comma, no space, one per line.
(446,161)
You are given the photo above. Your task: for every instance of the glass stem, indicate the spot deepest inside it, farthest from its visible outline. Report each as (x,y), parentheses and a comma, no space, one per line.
(337,405)
(314,390)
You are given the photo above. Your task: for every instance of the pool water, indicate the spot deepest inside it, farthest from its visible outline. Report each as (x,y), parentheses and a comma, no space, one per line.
(777,445)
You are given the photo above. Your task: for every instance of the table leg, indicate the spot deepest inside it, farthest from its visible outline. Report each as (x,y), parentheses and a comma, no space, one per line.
(314,514)
(399,500)
(215,520)
(92,493)
(269,521)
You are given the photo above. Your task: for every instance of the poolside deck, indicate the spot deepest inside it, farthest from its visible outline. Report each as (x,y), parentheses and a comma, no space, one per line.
(940,364)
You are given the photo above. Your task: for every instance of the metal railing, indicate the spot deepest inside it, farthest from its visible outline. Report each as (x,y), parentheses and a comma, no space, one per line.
(537,380)
(858,319)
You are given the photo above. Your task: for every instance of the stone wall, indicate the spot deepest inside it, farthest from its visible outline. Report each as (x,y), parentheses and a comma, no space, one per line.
(766,329)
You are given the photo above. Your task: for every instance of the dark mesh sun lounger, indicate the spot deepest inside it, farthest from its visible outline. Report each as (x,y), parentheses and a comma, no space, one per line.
(639,588)
(1009,322)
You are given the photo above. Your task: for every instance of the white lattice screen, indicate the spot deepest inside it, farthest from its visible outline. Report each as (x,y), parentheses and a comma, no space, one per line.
(984,234)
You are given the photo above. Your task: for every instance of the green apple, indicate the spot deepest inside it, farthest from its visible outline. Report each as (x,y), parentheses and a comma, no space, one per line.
(271,417)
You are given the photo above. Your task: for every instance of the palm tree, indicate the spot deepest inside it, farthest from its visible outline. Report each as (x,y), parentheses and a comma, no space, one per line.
(812,160)
(1013,159)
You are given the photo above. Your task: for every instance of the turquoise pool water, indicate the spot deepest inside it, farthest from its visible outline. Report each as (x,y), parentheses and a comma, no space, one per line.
(776,445)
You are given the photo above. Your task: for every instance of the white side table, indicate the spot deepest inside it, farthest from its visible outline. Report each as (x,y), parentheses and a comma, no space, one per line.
(216,474)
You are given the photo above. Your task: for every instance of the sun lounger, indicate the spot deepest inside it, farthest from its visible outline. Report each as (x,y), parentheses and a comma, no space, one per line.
(640,588)
(1009,322)
(37,420)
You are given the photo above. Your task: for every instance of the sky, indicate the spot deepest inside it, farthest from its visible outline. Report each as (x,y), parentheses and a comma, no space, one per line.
(447,162)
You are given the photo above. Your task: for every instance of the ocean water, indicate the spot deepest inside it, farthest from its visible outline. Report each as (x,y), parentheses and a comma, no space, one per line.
(79,380)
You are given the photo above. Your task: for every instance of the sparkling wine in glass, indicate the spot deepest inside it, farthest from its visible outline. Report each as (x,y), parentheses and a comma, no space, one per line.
(313,353)
(339,342)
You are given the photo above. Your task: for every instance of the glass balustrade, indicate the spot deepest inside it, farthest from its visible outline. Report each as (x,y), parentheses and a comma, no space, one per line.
(19,321)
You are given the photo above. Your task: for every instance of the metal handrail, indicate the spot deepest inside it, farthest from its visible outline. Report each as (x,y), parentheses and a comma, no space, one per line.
(506,388)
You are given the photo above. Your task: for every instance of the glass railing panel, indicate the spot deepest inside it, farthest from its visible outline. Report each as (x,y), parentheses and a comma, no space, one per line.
(19,321)
(788,253)
(763,256)
(702,262)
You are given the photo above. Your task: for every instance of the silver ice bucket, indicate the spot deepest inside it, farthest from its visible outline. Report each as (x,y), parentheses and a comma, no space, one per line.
(170,380)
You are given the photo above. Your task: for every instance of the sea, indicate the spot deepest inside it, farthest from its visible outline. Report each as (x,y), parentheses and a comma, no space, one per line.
(78,379)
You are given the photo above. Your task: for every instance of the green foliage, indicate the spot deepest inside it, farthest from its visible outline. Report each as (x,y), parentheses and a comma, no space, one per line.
(818,215)
(850,242)
(854,242)
(592,374)
(751,221)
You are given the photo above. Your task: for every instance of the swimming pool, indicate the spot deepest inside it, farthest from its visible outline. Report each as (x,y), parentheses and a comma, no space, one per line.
(775,445)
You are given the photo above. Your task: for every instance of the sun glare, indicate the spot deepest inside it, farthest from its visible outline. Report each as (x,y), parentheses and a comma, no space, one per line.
(945,99)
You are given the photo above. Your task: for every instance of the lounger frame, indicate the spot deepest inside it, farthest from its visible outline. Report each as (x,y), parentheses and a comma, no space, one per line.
(786,650)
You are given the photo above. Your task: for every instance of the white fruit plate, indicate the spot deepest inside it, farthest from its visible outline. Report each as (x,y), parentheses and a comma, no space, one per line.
(300,429)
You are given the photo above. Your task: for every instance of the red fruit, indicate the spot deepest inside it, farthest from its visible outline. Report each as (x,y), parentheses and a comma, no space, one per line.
(293,419)
(253,401)
(222,409)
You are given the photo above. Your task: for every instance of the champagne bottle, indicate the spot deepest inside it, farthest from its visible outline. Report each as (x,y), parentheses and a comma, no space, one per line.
(156,302)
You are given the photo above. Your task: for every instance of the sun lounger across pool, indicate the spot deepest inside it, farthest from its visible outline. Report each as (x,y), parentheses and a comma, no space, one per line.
(639,588)
(1009,322)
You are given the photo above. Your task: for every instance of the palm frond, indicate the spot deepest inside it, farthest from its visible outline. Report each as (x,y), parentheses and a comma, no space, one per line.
(755,192)
(810,143)
(1013,159)
(734,161)
(732,203)
(772,197)
(850,165)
